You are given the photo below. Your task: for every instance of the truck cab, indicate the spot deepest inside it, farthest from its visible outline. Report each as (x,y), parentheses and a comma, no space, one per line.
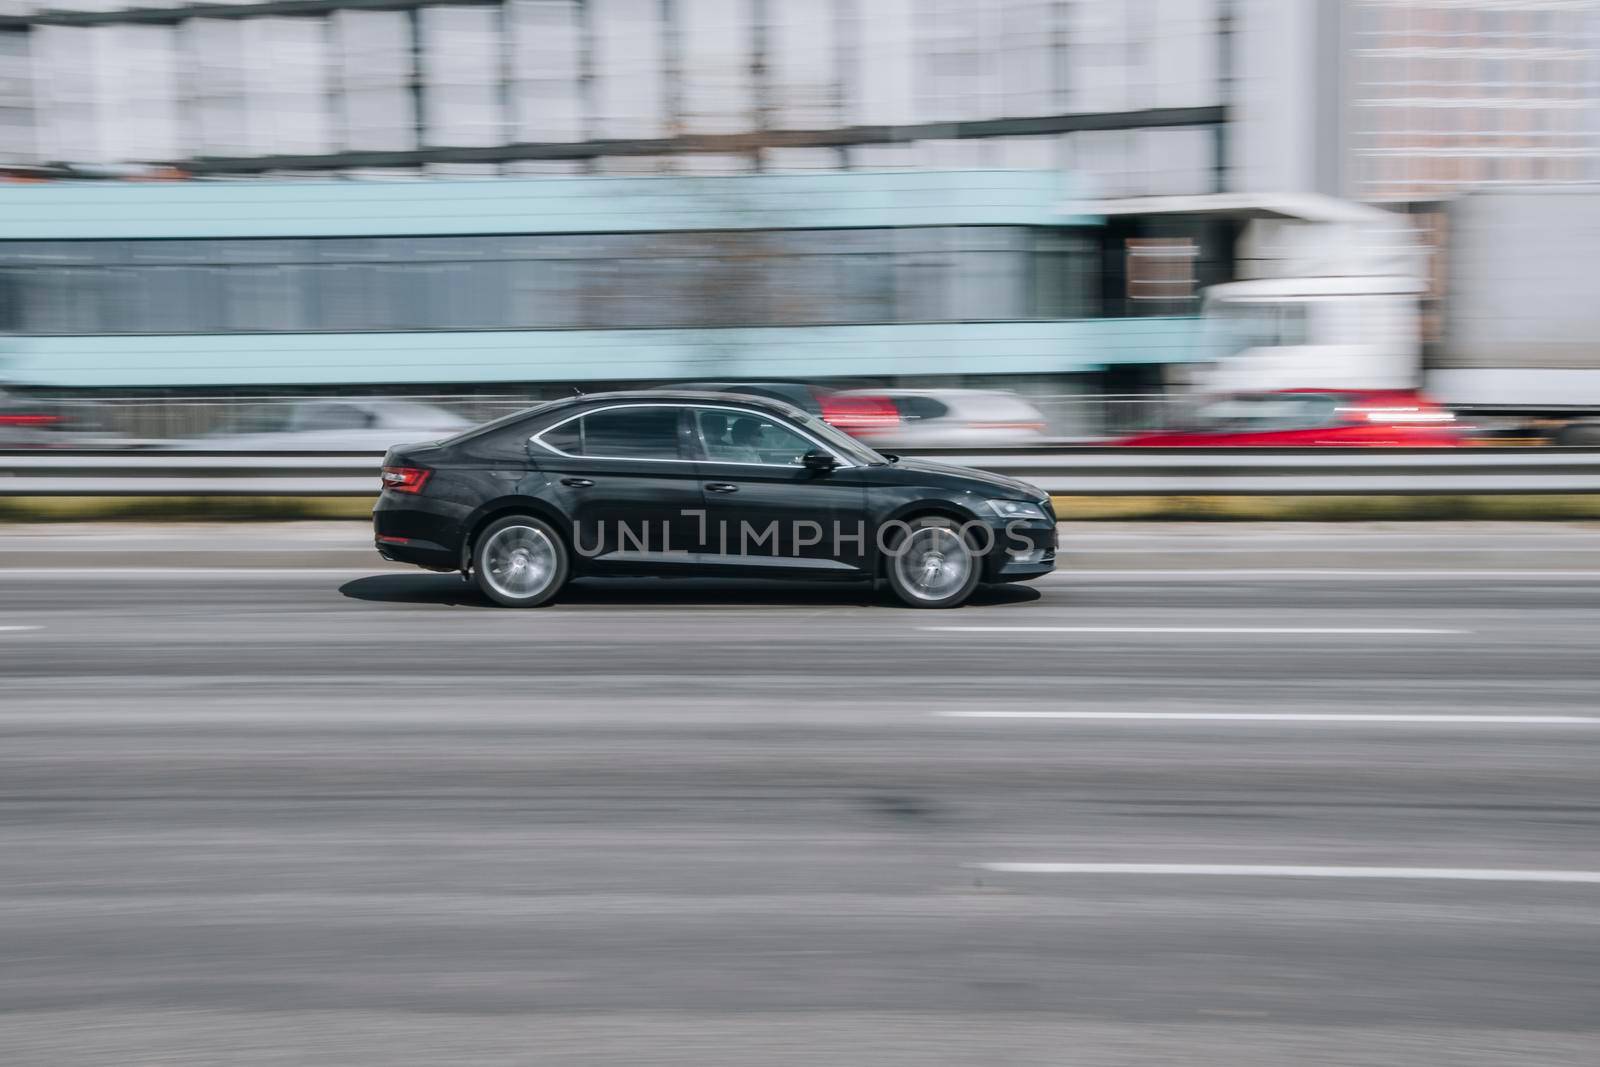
(1312,333)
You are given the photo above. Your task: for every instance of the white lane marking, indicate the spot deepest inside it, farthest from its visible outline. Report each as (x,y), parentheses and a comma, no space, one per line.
(18,629)
(1278,574)
(1065,575)
(97,573)
(177,547)
(1377,548)
(1394,631)
(1451,874)
(1288,716)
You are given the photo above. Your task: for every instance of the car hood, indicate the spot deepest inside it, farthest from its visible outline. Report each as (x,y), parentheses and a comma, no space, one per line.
(974,480)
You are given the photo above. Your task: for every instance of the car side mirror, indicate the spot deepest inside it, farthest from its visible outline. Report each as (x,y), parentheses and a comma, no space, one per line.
(819,461)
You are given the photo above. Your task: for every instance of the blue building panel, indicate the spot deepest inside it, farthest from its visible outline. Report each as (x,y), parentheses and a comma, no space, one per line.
(113,211)
(195,209)
(275,360)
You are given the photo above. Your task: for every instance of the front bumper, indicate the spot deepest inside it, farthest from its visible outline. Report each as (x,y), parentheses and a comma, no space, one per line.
(1022,552)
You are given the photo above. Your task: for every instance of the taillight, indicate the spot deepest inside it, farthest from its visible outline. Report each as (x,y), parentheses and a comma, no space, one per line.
(1399,416)
(29,420)
(405,479)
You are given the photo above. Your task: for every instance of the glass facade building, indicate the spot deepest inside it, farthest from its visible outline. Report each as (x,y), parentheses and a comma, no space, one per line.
(543,282)
(1445,97)
(1131,92)
(224,284)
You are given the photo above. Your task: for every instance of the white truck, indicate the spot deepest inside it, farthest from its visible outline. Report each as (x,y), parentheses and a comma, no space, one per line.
(1332,296)
(1326,292)
(1328,298)
(1521,310)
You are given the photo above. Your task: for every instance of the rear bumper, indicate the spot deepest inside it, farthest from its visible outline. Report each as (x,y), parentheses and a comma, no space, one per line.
(434,557)
(412,528)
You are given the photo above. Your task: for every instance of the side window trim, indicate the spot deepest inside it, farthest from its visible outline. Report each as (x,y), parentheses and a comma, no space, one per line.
(699,445)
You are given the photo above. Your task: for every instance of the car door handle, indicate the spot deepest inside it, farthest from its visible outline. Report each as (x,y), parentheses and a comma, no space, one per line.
(721,487)
(577,483)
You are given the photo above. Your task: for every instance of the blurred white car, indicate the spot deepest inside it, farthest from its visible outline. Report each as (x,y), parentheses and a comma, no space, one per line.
(940,418)
(28,422)
(330,426)
(24,423)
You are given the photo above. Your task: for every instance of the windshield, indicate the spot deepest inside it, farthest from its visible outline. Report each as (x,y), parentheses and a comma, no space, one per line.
(411,413)
(1241,325)
(841,442)
(1263,413)
(257,418)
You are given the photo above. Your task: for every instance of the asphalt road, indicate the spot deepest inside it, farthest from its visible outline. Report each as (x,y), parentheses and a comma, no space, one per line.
(1211,795)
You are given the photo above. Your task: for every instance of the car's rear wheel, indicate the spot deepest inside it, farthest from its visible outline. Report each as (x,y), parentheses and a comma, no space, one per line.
(519,562)
(933,565)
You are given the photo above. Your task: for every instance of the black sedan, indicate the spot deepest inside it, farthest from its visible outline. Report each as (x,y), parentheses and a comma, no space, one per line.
(700,484)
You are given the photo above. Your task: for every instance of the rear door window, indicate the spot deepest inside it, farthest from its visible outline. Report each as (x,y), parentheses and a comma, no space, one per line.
(918,408)
(334,417)
(647,432)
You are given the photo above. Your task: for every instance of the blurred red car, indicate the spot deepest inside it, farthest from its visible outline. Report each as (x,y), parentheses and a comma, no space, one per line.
(1299,418)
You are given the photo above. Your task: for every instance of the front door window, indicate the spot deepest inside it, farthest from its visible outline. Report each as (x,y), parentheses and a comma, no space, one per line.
(746,437)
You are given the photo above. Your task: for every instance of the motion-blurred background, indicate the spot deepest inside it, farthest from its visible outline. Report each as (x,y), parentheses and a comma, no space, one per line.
(1215,794)
(1246,221)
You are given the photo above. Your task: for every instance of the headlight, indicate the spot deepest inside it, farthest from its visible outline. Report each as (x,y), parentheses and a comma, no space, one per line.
(1017,509)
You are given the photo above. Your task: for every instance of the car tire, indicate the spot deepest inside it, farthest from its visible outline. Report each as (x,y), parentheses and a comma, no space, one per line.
(933,564)
(520,562)
(1578,435)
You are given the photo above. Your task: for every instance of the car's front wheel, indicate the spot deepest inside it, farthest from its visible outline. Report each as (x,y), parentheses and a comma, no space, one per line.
(933,565)
(519,562)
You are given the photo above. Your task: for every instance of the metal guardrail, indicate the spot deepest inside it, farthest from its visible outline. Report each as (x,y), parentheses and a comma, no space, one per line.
(1060,471)
(1292,472)
(152,418)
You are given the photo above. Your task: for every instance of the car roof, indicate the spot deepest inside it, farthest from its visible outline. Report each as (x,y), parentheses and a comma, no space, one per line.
(938,394)
(1334,390)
